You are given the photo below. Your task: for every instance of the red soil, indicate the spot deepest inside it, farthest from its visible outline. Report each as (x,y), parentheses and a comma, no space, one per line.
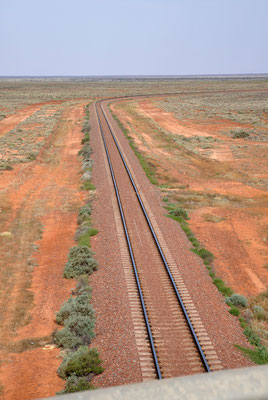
(239,241)
(187,128)
(12,120)
(50,183)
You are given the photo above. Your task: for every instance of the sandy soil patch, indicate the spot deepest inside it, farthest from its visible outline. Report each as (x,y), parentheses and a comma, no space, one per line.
(39,205)
(14,119)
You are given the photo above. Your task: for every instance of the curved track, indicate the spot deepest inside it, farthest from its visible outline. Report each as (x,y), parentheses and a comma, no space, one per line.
(174,342)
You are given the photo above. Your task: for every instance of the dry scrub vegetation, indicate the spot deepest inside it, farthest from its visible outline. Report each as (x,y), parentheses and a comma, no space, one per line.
(23,143)
(16,93)
(208,154)
(243,107)
(40,199)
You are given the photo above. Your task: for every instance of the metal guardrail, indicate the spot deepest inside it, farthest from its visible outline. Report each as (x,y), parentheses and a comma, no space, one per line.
(237,384)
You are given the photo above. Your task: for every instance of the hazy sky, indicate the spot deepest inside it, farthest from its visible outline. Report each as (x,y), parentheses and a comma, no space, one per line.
(132,37)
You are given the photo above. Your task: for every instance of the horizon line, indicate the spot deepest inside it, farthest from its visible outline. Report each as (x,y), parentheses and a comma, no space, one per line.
(137,76)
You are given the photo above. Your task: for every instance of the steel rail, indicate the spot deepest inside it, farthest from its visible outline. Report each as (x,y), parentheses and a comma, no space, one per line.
(189,323)
(151,340)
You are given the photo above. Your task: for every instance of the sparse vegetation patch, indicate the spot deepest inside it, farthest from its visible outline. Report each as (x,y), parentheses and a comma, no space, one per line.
(80,262)
(80,364)
(178,201)
(146,164)
(23,143)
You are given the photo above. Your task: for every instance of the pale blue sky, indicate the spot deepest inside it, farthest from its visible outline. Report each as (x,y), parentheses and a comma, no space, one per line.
(132,37)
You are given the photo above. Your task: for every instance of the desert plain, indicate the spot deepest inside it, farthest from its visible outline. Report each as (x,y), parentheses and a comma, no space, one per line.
(203,145)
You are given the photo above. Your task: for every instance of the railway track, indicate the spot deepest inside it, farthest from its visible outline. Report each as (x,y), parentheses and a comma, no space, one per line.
(170,336)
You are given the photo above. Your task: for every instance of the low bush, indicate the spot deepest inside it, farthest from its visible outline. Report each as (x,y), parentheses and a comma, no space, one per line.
(225,290)
(87,164)
(239,133)
(204,254)
(82,230)
(82,362)
(234,311)
(78,252)
(84,214)
(85,139)
(237,300)
(86,127)
(253,338)
(77,384)
(179,212)
(178,219)
(86,151)
(77,331)
(84,239)
(80,262)
(260,313)
(31,156)
(258,356)
(86,176)
(75,305)
(5,167)
(88,186)
(77,314)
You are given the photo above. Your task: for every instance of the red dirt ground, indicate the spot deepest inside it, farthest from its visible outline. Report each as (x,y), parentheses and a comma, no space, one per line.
(14,119)
(239,240)
(47,190)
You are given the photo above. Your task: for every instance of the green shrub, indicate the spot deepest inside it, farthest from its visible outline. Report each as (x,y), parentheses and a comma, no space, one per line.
(253,338)
(257,309)
(225,290)
(85,138)
(77,331)
(5,167)
(80,262)
(234,311)
(31,156)
(194,241)
(75,305)
(86,151)
(260,313)
(240,133)
(242,322)
(262,353)
(179,212)
(258,356)
(86,127)
(84,239)
(237,300)
(180,220)
(84,214)
(189,234)
(77,384)
(204,254)
(82,230)
(77,252)
(88,186)
(82,362)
